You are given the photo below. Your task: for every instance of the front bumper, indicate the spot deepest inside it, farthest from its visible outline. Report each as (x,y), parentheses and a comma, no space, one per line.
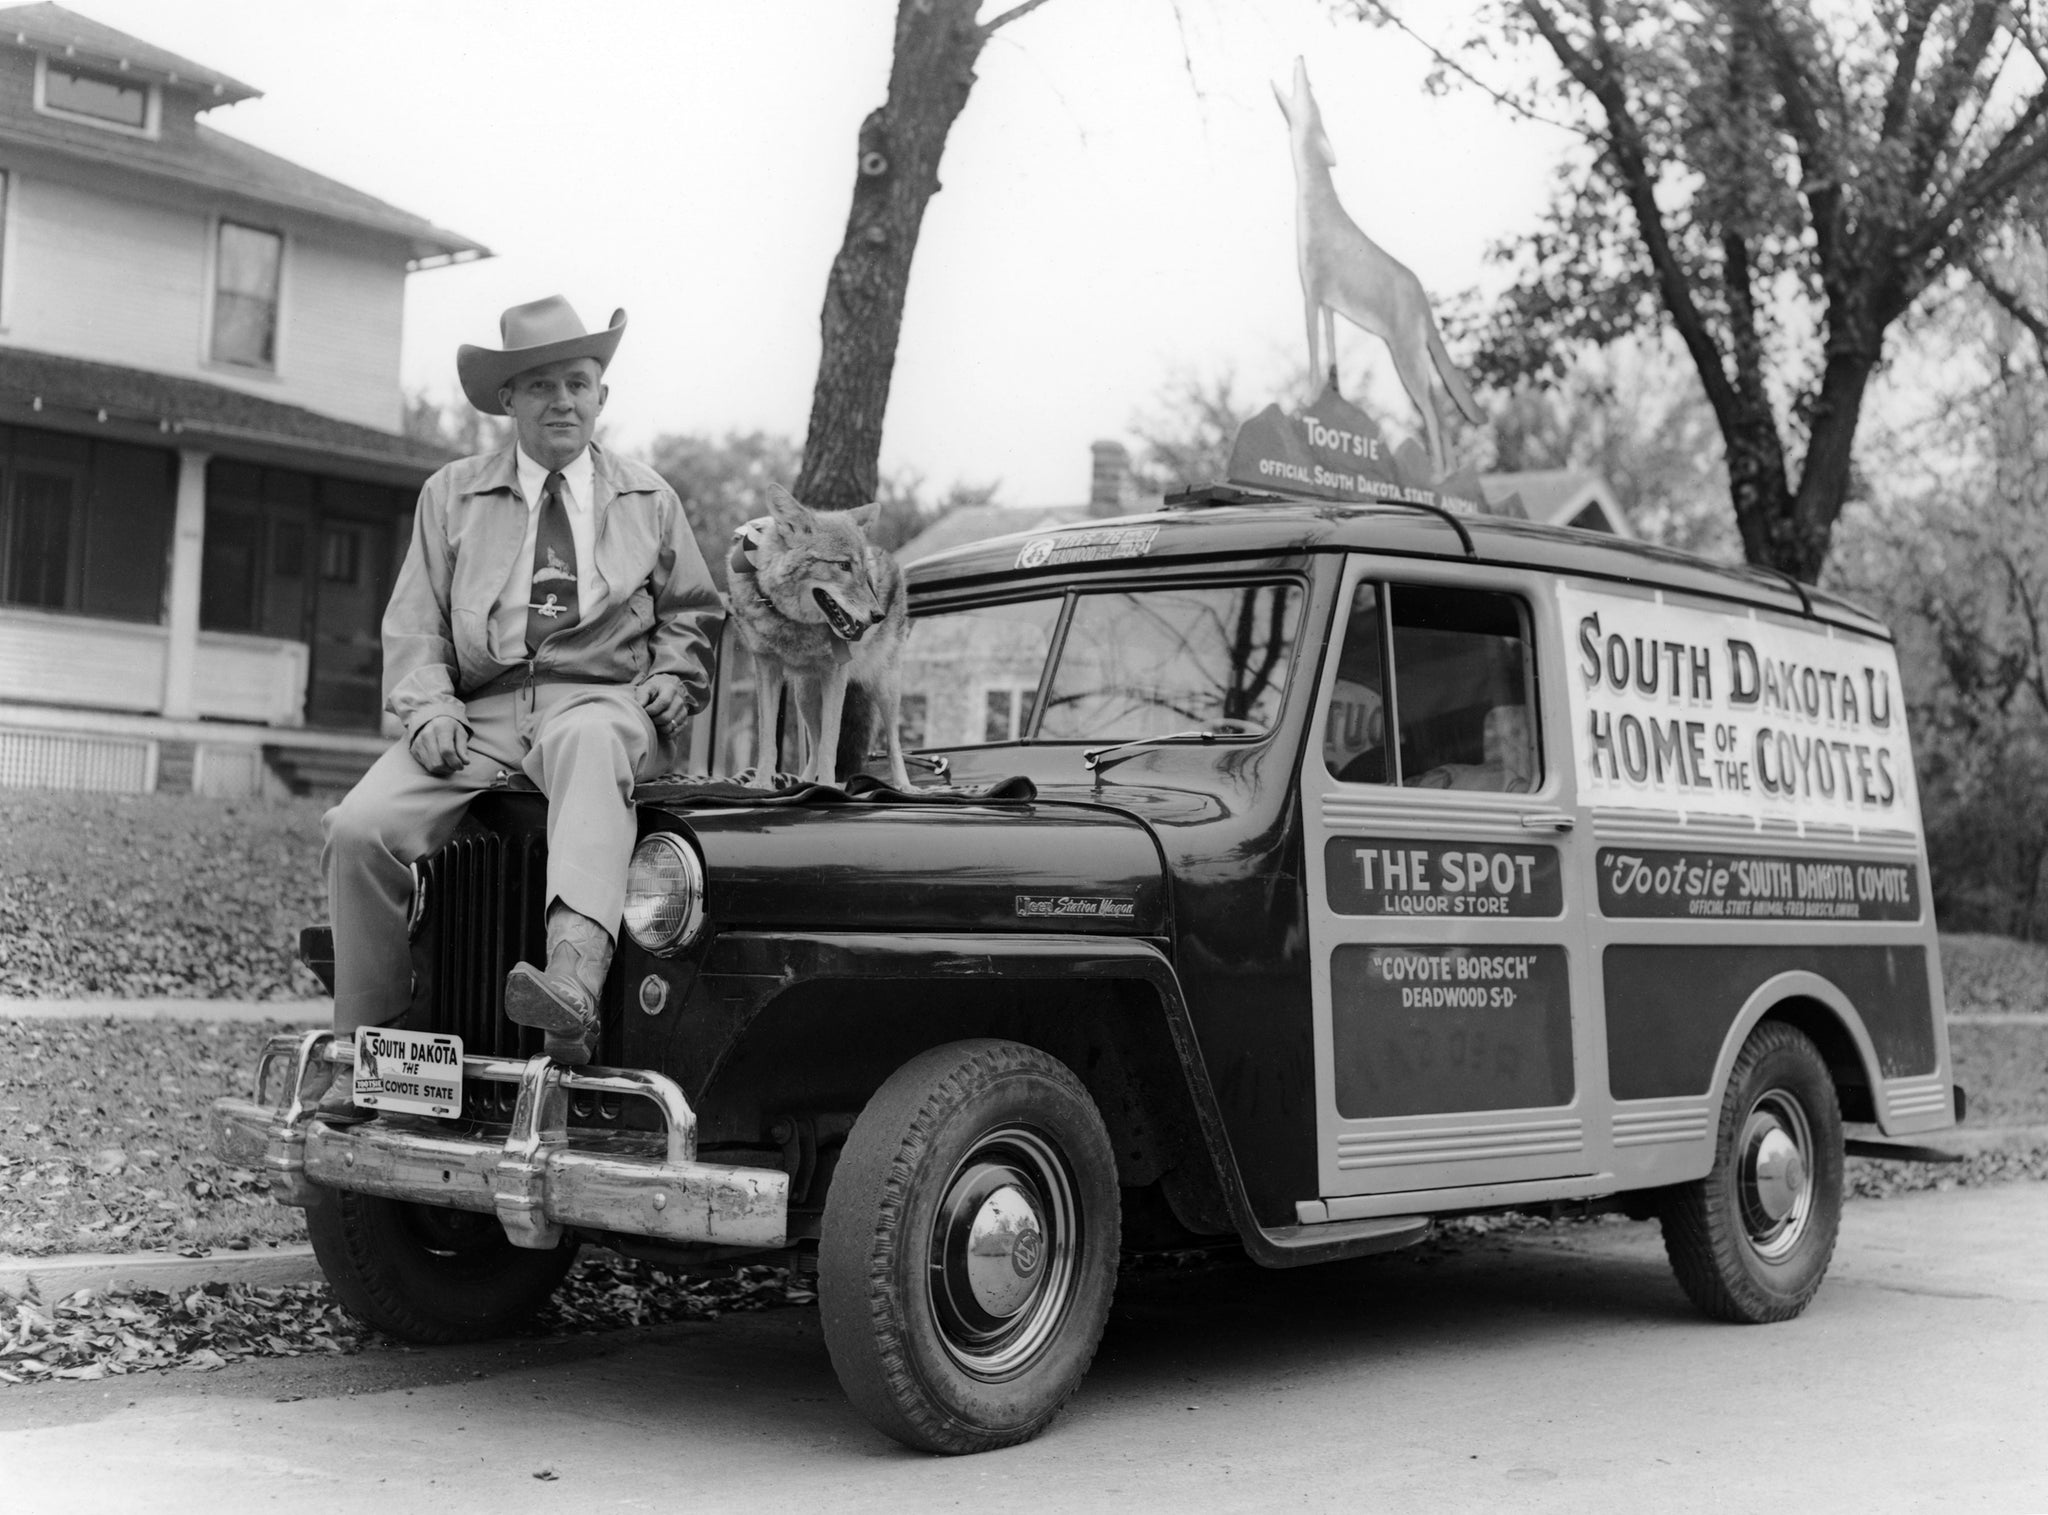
(541,1178)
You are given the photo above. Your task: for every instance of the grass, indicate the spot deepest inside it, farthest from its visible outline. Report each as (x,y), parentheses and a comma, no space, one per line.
(1994,974)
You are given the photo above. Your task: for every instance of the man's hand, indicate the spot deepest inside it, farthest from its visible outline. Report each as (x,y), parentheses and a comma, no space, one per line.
(662,695)
(441,745)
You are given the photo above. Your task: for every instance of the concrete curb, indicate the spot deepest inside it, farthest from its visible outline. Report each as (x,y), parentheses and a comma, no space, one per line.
(290,1011)
(52,1278)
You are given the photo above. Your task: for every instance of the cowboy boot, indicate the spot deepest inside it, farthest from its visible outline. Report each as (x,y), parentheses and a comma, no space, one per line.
(336,1104)
(562,1000)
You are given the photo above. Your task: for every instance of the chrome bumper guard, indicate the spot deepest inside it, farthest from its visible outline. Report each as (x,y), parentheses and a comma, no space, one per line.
(536,1181)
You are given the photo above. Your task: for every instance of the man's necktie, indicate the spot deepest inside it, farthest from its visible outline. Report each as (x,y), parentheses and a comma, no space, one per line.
(552,605)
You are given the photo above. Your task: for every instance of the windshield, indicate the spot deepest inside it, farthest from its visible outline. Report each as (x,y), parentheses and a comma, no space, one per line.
(1131,663)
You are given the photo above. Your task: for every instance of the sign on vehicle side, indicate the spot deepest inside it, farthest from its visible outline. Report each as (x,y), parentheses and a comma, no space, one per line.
(1682,709)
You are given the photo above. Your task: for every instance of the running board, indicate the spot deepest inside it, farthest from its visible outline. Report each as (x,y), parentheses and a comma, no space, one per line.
(1897,1152)
(1326,1241)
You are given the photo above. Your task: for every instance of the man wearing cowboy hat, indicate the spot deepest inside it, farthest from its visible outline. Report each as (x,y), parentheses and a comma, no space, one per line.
(553,618)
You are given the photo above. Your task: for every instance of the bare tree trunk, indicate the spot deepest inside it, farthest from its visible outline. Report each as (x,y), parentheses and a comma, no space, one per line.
(937,43)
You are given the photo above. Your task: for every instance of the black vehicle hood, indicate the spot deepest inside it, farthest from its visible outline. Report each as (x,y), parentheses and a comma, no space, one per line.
(1029,867)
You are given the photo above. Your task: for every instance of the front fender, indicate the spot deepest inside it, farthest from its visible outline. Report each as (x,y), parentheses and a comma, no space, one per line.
(744,972)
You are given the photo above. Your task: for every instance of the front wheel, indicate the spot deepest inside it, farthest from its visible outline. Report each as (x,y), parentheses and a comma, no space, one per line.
(1751,1241)
(427,1274)
(970,1247)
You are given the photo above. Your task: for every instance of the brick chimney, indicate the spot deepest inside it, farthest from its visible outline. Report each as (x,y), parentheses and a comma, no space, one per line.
(1109,482)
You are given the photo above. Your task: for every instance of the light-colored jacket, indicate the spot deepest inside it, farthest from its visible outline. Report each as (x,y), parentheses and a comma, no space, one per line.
(660,612)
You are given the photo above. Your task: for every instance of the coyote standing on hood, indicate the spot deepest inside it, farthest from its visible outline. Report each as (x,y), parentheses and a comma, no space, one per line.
(821,608)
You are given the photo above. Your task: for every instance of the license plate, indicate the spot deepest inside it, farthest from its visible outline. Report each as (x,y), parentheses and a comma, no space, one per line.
(414,1072)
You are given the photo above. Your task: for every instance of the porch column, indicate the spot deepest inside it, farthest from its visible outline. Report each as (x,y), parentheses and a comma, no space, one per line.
(188,545)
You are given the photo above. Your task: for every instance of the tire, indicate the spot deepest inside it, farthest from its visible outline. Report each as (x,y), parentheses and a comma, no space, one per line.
(944,1345)
(1751,1241)
(426,1274)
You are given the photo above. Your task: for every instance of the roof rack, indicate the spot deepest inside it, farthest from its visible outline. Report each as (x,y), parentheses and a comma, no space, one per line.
(1217,494)
(1230,494)
(1798,588)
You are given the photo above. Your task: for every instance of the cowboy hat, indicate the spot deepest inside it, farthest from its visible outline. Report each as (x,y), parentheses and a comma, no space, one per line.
(544,331)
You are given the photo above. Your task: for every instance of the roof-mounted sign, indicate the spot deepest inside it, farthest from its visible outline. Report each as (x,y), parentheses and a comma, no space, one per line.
(1335,451)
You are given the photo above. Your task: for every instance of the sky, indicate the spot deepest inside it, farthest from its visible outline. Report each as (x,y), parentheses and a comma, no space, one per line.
(1116,211)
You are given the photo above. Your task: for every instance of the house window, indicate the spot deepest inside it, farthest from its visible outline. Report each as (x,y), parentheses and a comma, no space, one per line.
(104,99)
(247,265)
(39,545)
(1006,713)
(341,554)
(911,717)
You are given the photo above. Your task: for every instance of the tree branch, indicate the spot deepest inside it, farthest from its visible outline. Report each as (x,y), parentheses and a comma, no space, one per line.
(1625,148)
(1947,92)
(1820,173)
(2008,300)
(1445,60)
(1014,13)
(1898,99)
(2012,157)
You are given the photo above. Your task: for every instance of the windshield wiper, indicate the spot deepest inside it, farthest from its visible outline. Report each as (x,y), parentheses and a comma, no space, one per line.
(1094,760)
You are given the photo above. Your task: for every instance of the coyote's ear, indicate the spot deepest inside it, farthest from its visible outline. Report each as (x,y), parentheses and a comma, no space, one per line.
(1281,100)
(865,516)
(787,509)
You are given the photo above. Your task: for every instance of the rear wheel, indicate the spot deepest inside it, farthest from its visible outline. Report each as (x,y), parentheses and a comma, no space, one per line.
(427,1274)
(970,1247)
(1751,1241)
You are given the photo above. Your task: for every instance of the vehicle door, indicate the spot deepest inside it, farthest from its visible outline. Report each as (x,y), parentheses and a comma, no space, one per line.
(1455,1036)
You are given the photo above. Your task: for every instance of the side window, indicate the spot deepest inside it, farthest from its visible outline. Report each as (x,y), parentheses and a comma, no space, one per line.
(1463,706)
(1355,737)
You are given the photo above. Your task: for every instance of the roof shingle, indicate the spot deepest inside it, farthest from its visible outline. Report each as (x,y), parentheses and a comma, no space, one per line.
(41,381)
(53,28)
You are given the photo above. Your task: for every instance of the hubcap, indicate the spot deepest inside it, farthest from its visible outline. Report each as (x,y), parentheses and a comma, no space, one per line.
(1005,1247)
(1775,1176)
(1003,1257)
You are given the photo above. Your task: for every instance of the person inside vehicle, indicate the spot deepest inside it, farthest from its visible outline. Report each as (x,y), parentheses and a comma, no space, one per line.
(553,618)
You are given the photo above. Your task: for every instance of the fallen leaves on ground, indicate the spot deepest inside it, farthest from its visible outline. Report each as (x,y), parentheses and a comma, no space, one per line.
(1993,974)
(142,895)
(93,1333)
(104,1145)
(2016,1162)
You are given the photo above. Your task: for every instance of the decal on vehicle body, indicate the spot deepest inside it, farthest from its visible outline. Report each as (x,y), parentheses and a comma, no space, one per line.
(1096,545)
(1424,1030)
(1378,875)
(1736,886)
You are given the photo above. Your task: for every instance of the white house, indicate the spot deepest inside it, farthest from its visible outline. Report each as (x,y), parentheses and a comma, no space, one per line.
(203,486)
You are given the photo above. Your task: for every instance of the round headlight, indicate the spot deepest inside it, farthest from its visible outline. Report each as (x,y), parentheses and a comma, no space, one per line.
(664,893)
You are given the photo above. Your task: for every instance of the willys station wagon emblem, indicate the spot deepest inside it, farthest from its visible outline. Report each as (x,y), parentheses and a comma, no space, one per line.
(1095,906)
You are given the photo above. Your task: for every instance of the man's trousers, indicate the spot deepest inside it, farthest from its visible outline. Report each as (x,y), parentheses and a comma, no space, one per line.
(585,745)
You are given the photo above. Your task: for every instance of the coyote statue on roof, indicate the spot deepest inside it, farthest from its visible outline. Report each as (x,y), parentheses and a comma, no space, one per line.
(1344,272)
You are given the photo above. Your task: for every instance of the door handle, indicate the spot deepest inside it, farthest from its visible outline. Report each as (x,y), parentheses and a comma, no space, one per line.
(1548,820)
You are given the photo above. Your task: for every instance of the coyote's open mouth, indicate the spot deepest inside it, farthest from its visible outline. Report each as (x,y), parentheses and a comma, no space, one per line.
(844,626)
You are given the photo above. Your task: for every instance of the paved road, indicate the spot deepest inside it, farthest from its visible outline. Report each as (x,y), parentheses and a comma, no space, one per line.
(1557,1371)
